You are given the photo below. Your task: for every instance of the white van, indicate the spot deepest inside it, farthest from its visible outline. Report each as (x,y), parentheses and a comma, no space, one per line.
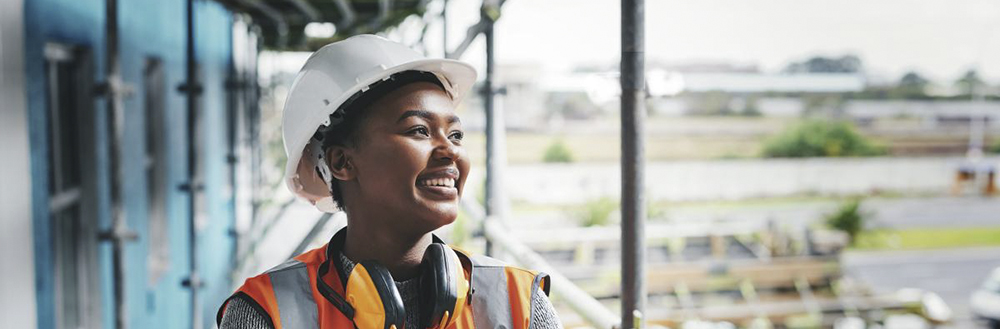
(985,301)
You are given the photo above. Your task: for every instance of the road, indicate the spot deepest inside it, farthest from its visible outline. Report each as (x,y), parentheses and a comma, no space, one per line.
(952,273)
(706,180)
(892,213)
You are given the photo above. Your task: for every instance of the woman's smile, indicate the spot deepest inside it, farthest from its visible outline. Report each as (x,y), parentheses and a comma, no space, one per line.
(439,184)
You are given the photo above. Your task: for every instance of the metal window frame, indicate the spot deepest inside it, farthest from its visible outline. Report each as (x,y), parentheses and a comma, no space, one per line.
(73,209)
(154,106)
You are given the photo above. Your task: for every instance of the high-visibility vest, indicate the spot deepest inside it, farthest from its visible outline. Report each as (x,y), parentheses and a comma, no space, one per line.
(501,294)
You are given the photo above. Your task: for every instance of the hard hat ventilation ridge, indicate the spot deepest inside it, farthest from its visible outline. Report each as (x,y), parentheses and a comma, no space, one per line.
(362,99)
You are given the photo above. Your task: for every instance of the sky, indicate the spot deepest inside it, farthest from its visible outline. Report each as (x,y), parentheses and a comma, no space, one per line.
(939,38)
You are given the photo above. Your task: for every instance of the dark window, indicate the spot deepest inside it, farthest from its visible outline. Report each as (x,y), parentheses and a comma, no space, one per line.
(74,231)
(159,247)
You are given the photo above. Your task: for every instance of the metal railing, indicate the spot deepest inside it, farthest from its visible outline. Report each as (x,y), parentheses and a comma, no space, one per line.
(582,303)
(256,235)
(586,306)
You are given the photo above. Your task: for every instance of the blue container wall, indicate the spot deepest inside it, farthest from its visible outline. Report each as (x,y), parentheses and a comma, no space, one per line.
(73,22)
(148,29)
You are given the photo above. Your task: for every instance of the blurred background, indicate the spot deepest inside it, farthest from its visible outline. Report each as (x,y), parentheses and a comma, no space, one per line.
(809,164)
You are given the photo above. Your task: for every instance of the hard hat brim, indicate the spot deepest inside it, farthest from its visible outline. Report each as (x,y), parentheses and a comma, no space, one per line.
(457,77)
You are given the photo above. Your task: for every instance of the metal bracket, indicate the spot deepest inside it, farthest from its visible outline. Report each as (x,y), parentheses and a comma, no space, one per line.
(122,234)
(502,90)
(186,88)
(237,84)
(187,187)
(491,9)
(479,232)
(113,86)
(192,282)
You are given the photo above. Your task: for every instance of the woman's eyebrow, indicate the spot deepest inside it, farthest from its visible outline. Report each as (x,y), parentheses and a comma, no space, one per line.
(427,115)
(416,113)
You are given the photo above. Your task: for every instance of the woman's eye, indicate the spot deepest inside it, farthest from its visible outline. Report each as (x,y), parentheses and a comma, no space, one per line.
(457,135)
(422,131)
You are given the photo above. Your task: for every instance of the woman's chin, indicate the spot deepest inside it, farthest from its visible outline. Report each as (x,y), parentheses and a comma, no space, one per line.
(438,215)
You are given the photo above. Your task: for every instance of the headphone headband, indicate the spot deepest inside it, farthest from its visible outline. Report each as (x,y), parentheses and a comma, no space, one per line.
(444,288)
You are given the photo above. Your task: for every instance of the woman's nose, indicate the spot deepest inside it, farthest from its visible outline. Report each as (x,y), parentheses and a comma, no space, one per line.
(445,149)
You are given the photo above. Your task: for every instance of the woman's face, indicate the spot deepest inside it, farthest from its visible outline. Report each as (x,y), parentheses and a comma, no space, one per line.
(409,159)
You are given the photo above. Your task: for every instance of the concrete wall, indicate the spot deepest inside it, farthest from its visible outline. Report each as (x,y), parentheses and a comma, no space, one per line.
(17,275)
(699,180)
(149,28)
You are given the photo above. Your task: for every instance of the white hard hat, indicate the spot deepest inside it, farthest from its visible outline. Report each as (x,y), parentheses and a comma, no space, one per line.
(333,74)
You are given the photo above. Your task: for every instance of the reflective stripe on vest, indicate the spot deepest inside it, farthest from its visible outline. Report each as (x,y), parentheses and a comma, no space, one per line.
(296,306)
(496,278)
(489,282)
(502,295)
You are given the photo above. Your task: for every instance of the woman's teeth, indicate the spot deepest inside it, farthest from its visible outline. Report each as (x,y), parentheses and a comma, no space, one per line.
(447,182)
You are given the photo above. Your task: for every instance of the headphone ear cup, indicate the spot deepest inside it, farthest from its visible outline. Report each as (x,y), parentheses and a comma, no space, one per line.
(372,292)
(444,287)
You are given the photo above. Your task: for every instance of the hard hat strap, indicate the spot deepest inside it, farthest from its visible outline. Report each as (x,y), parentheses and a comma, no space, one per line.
(320,164)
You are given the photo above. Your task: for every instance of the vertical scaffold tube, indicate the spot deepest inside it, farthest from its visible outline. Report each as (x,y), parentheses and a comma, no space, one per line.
(118,234)
(633,208)
(494,181)
(192,89)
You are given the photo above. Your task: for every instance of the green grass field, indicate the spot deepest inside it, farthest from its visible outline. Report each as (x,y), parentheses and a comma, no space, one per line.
(530,147)
(703,138)
(936,238)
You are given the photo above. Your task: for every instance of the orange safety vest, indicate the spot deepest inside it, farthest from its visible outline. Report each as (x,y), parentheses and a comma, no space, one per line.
(501,295)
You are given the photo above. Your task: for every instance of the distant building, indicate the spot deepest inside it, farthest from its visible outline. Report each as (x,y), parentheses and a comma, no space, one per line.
(533,95)
(744,83)
(933,114)
(522,99)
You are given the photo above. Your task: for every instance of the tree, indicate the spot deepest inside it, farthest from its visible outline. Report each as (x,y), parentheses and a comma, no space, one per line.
(913,79)
(848,218)
(911,85)
(969,82)
(820,64)
(557,152)
(819,138)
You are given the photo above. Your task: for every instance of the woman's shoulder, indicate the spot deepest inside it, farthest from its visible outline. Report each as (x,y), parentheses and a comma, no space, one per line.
(244,313)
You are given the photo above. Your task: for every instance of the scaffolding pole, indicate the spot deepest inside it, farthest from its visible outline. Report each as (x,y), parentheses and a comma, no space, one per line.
(114,90)
(192,89)
(494,137)
(444,28)
(633,208)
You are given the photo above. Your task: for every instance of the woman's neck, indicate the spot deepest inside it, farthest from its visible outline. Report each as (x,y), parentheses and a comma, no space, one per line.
(401,254)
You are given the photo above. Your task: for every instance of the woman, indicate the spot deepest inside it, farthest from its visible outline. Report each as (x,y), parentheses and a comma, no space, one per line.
(369,127)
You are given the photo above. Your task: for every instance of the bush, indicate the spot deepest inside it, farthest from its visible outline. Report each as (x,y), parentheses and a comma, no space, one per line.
(848,218)
(596,212)
(557,152)
(711,103)
(995,148)
(817,138)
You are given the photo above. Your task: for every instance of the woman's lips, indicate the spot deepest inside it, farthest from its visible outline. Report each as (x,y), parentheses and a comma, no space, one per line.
(440,192)
(440,184)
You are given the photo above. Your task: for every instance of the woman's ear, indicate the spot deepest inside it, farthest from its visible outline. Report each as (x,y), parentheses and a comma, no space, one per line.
(340,163)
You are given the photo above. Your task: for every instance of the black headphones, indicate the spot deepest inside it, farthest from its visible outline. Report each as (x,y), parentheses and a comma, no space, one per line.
(371,300)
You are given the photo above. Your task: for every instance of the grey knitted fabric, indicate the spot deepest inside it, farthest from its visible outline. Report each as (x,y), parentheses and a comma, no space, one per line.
(543,315)
(239,314)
